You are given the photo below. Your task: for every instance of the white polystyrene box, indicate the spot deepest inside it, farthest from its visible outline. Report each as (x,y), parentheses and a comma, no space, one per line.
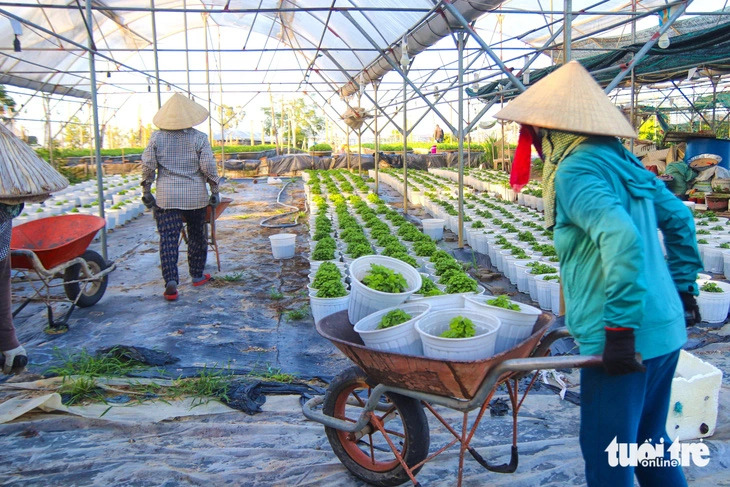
(694,399)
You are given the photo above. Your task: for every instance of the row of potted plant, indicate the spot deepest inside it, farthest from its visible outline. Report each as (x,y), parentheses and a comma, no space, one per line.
(122,201)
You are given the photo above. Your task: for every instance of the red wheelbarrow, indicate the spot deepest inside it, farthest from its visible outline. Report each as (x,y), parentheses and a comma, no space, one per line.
(48,249)
(375,413)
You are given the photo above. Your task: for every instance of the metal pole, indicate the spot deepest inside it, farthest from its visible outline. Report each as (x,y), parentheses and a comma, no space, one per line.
(632,113)
(223,135)
(347,148)
(405,145)
(207,77)
(97,136)
(375,156)
(154,50)
(465,24)
(461,139)
(359,144)
(568,30)
(187,57)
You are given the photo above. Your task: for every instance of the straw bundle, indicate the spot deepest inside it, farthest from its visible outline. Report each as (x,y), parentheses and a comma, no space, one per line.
(24,177)
(355,116)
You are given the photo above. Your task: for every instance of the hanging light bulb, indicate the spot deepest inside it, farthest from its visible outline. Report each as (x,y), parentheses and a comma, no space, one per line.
(663,41)
(405,60)
(362,83)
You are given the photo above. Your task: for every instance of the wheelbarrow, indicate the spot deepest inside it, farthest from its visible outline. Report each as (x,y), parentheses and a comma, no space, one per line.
(47,249)
(211,215)
(375,414)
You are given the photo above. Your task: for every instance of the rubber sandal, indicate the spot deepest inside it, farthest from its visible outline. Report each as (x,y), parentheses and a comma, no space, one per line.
(170,293)
(205,279)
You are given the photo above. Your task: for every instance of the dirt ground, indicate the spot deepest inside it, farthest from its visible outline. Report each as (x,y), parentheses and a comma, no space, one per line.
(239,323)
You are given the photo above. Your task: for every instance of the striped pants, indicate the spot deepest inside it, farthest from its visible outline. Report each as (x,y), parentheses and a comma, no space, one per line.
(169,225)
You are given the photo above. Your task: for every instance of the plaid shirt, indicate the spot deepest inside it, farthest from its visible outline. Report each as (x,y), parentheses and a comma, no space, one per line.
(184,162)
(7,213)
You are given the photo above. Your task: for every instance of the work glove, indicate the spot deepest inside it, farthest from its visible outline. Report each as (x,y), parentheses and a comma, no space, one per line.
(215,200)
(619,354)
(691,310)
(14,361)
(149,201)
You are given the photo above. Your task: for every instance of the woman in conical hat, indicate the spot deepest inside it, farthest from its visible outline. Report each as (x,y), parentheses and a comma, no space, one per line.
(621,295)
(181,160)
(24,177)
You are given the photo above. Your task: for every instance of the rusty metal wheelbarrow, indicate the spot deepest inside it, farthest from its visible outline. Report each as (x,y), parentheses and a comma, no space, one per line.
(47,249)
(375,414)
(211,215)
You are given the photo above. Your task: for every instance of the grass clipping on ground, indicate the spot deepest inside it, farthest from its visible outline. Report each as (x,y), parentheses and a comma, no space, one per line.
(85,378)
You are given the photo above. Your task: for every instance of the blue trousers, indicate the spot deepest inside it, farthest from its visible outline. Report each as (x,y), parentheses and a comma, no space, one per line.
(633,409)
(169,225)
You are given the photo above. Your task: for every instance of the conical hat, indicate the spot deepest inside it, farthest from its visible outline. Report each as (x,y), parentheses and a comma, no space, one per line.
(568,99)
(179,112)
(23,175)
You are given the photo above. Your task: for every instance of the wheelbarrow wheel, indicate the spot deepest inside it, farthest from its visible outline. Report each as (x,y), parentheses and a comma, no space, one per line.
(367,453)
(90,291)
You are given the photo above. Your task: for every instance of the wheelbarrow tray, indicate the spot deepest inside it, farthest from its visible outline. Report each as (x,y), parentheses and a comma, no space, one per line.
(218,209)
(54,240)
(460,379)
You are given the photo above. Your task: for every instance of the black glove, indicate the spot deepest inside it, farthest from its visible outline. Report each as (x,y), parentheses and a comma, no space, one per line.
(691,310)
(149,201)
(215,200)
(619,354)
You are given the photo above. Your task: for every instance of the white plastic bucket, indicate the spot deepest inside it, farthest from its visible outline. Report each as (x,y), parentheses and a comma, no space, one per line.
(555,296)
(365,301)
(282,245)
(544,292)
(521,269)
(322,307)
(712,259)
(714,306)
(516,325)
(401,338)
(481,346)
(434,228)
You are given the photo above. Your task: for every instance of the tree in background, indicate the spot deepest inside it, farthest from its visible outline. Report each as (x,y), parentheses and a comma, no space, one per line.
(7,104)
(76,134)
(650,130)
(231,117)
(306,121)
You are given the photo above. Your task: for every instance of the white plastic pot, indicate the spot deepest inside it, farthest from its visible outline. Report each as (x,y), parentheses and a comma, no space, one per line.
(555,296)
(365,301)
(434,228)
(282,245)
(544,297)
(521,275)
(401,338)
(714,306)
(516,325)
(481,346)
(322,307)
(712,259)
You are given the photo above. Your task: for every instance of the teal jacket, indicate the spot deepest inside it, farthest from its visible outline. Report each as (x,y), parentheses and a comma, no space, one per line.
(614,274)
